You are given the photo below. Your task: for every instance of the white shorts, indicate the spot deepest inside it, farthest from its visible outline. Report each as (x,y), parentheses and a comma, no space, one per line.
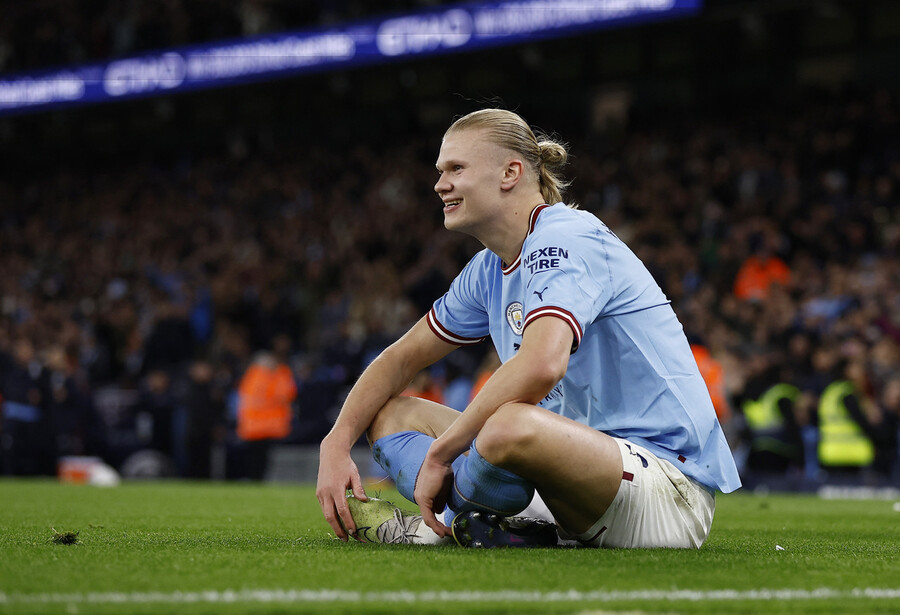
(656,506)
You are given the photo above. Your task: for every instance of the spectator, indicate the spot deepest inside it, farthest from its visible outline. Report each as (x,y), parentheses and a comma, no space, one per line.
(425,386)
(27,434)
(845,424)
(714,376)
(266,392)
(759,272)
(72,408)
(205,420)
(771,430)
(887,455)
(157,409)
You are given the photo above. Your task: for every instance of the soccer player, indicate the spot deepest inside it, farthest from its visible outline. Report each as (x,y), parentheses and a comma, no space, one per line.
(598,424)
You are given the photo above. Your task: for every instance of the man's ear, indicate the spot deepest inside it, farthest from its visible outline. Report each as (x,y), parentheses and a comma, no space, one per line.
(512,174)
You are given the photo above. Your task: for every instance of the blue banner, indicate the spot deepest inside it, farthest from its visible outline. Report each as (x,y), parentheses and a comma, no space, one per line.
(448,29)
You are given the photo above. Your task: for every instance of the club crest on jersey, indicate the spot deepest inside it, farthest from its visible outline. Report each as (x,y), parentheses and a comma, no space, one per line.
(515,317)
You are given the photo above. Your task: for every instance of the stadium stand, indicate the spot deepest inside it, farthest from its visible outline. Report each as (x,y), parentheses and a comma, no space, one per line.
(136,282)
(46,33)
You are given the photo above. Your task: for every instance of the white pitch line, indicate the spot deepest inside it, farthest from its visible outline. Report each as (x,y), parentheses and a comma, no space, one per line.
(410,597)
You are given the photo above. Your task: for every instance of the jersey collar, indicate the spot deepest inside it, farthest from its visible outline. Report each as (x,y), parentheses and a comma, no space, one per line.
(532,222)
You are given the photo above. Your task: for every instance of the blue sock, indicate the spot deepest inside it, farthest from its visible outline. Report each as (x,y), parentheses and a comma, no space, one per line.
(401,455)
(480,485)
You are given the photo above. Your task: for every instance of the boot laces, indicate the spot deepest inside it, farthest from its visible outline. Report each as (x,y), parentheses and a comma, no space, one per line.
(399,530)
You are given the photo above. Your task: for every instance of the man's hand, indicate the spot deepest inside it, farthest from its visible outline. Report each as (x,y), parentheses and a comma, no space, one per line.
(432,491)
(337,473)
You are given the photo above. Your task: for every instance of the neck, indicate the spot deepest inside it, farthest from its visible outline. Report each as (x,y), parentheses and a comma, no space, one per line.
(507,238)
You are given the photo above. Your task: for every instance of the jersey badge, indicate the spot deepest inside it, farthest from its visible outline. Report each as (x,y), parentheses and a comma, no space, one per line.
(515,317)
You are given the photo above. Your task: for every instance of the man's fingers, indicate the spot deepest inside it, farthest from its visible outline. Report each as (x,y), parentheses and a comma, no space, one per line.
(332,519)
(344,515)
(443,496)
(357,487)
(336,526)
(431,521)
(331,509)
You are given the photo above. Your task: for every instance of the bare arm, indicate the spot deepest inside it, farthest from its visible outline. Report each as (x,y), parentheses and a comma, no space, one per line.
(526,378)
(386,377)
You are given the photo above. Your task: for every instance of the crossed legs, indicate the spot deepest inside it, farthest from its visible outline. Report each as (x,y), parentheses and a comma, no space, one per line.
(576,469)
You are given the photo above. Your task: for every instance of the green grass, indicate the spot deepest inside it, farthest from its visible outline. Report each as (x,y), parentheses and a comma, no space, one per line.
(151,540)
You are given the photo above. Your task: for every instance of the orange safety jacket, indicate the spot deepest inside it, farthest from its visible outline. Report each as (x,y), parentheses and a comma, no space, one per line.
(264,402)
(714,377)
(756,276)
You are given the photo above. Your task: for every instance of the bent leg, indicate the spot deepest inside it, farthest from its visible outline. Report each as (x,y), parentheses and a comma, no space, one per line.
(411,414)
(401,435)
(576,469)
(481,485)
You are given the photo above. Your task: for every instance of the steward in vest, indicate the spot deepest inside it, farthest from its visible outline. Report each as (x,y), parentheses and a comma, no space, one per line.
(265,395)
(714,377)
(843,441)
(771,429)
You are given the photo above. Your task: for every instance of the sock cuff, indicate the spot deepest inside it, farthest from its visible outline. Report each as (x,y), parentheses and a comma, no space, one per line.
(401,455)
(480,485)
(485,467)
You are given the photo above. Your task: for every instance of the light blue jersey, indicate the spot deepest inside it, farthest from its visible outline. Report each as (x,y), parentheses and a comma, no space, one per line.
(631,374)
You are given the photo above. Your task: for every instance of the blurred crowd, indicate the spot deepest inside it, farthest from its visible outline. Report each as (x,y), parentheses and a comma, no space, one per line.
(42,34)
(133,300)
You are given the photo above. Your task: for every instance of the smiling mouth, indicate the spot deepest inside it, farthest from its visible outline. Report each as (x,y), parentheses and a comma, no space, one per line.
(451,205)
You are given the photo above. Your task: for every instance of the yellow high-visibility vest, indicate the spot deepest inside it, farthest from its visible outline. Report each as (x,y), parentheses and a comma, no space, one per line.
(763,414)
(765,420)
(842,441)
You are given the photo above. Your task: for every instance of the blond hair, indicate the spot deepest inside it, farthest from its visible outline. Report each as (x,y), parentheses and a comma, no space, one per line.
(544,155)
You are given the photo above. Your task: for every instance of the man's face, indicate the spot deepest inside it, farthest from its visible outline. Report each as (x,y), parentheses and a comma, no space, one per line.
(472,169)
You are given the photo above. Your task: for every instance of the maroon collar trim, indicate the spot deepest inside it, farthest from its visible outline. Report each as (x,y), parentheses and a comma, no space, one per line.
(532,222)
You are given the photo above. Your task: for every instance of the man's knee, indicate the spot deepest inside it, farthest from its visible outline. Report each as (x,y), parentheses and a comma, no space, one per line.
(410,414)
(508,434)
(390,419)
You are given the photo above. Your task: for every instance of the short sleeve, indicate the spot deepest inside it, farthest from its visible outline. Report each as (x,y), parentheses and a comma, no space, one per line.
(460,316)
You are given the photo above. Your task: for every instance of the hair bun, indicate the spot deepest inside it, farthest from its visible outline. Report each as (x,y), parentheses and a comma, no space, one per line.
(553,154)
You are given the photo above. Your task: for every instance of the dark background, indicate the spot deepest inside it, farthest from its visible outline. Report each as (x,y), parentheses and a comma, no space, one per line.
(149,248)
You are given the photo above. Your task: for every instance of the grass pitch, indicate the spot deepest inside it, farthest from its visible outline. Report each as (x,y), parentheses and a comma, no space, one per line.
(190,548)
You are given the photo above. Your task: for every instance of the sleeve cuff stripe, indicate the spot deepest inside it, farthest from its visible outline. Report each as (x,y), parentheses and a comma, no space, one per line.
(558,313)
(451,338)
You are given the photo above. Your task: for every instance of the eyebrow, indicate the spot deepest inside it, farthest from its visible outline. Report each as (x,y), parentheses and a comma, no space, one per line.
(450,162)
